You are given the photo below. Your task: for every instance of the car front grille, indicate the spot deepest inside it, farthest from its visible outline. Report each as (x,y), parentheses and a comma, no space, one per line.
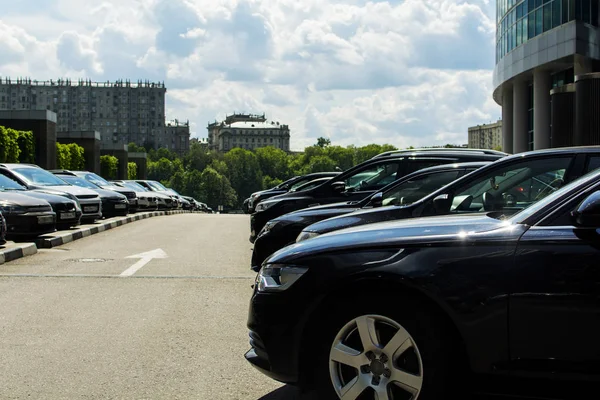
(64,207)
(87,196)
(38,208)
(129,195)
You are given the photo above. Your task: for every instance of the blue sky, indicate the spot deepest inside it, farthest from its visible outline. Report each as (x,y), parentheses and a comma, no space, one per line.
(412,72)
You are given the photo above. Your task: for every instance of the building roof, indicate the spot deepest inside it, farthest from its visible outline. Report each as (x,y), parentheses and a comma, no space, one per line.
(254,125)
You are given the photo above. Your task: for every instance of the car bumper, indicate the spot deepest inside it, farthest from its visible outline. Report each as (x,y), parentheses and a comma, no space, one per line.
(257,222)
(110,208)
(91,210)
(30,224)
(71,217)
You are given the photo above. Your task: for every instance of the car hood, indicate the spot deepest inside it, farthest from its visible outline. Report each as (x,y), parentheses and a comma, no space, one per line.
(109,194)
(415,231)
(360,217)
(74,190)
(50,198)
(22,199)
(319,213)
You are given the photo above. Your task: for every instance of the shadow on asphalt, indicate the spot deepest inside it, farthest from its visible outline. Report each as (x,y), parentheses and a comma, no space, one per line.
(289,393)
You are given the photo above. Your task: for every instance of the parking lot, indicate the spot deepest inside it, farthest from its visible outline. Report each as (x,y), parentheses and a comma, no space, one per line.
(72,324)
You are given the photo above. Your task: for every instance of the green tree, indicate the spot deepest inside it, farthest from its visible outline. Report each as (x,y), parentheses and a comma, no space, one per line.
(26,145)
(367,152)
(197,158)
(131,170)
(216,190)
(269,182)
(244,172)
(320,164)
(163,169)
(63,156)
(273,162)
(9,145)
(109,165)
(134,148)
(76,156)
(343,157)
(323,142)
(220,166)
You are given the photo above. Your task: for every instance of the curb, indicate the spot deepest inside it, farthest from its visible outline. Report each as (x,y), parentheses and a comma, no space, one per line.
(60,238)
(15,251)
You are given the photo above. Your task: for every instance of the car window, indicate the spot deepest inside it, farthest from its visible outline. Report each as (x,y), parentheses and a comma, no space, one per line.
(309,185)
(593,163)
(373,178)
(512,188)
(415,189)
(40,177)
(77,181)
(96,180)
(8,184)
(135,186)
(417,165)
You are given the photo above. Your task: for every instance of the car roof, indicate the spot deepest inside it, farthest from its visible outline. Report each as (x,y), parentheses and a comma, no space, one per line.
(441,150)
(15,165)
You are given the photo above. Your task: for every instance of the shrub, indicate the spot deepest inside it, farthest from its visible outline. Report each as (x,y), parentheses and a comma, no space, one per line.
(109,165)
(131,170)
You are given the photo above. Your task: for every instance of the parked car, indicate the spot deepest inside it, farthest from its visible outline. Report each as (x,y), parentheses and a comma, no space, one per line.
(284,187)
(154,186)
(2,229)
(34,177)
(183,202)
(113,203)
(67,210)
(147,200)
(100,182)
(362,180)
(406,309)
(26,216)
(505,186)
(284,230)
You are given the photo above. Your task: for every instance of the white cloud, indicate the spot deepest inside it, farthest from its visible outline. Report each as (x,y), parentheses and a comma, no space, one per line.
(412,72)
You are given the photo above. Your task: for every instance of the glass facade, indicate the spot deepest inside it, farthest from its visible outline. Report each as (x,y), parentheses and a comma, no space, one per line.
(530,120)
(521,20)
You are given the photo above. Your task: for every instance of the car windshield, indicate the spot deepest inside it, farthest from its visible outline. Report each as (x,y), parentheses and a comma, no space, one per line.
(8,184)
(97,180)
(77,181)
(512,188)
(284,185)
(39,177)
(310,185)
(135,186)
(157,186)
(416,188)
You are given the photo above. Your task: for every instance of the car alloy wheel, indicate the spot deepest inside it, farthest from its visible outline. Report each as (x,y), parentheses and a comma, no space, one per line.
(375,357)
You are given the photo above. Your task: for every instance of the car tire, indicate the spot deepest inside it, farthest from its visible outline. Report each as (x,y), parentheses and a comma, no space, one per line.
(420,360)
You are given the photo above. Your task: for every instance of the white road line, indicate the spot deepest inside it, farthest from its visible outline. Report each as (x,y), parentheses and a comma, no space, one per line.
(135,267)
(145,258)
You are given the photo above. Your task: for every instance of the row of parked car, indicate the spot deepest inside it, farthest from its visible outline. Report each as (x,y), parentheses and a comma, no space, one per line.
(34,201)
(417,272)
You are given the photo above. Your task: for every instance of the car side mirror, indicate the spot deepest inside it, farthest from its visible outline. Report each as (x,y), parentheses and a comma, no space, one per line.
(587,215)
(338,187)
(442,203)
(377,200)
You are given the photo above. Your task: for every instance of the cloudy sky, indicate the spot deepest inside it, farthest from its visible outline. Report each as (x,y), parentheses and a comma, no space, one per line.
(412,72)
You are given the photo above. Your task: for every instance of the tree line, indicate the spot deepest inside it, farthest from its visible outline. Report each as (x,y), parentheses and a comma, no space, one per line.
(229,178)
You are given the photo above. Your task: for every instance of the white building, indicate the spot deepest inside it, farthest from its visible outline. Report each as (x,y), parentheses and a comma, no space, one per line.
(487,136)
(248,132)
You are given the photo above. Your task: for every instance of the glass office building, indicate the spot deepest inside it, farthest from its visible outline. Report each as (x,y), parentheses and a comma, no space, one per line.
(545,51)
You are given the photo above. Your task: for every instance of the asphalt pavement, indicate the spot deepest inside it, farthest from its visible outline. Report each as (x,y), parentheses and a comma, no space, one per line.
(155,309)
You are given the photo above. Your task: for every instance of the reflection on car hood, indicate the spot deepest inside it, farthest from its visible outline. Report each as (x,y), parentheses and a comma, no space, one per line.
(395,233)
(50,198)
(359,217)
(22,199)
(318,212)
(74,190)
(109,194)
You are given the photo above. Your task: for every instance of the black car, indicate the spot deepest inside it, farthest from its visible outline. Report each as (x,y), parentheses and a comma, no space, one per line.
(113,203)
(284,230)
(411,308)
(100,182)
(65,206)
(362,180)
(26,216)
(505,186)
(283,188)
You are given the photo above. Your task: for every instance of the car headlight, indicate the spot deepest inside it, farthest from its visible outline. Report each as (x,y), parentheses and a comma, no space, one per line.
(11,208)
(278,277)
(305,235)
(265,206)
(268,227)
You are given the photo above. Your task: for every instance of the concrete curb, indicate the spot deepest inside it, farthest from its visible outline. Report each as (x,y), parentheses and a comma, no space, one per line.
(17,250)
(60,238)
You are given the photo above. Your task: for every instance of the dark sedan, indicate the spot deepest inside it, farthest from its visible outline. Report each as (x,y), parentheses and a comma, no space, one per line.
(289,185)
(284,230)
(65,206)
(420,308)
(113,203)
(26,216)
(505,187)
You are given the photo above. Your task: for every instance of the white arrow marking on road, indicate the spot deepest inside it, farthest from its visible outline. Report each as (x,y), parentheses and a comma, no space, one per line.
(145,258)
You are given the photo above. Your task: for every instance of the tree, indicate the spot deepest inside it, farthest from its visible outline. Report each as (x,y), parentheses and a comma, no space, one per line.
(320,164)
(269,182)
(131,170)
(134,148)
(9,145)
(215,189)
(197,158)
(343,157)
(323,142)
(26,144)
(63,156)
(163,169)
(109,165)
(273,162)
(77,158)
(498,148)
(367,152)
(244,172)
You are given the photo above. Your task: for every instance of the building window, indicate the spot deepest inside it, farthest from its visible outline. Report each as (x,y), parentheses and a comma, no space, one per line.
(530,119)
